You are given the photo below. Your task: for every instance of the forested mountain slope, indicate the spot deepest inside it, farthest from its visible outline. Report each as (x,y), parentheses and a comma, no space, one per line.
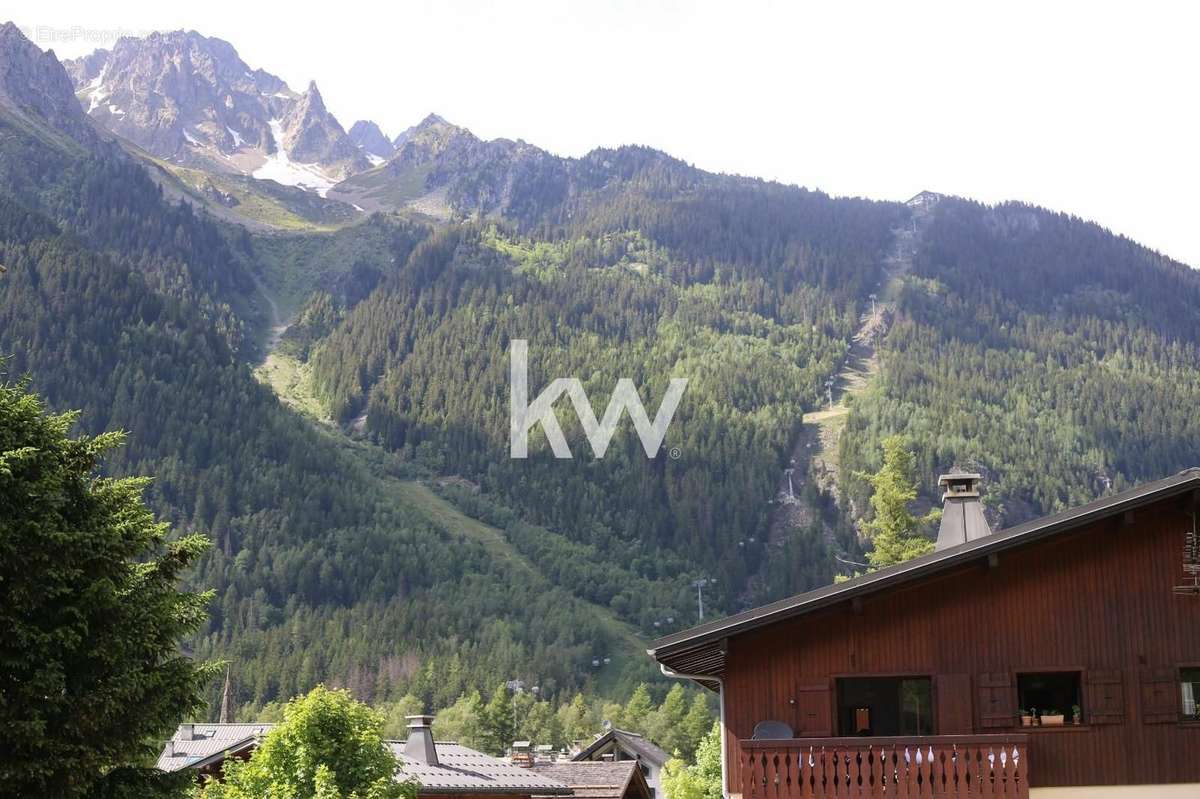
(756,312)
(1060,360)
(1053,356)
(135,310)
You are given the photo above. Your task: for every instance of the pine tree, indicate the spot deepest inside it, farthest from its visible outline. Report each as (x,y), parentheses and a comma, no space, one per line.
(895,532)
(498,723)
(667,724)
(696,724)
(90,613)
(577,721)
(637,710)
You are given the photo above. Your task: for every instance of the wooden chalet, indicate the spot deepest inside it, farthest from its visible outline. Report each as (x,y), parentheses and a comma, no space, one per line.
(1060,657)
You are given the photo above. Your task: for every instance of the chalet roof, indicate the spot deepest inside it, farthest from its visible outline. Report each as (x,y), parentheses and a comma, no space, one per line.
(700,650)
(208,742)
(464,770)
(636,745)
(459,769)
(595,779)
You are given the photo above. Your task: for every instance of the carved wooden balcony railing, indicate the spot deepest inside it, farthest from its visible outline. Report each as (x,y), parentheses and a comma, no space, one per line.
(957,766)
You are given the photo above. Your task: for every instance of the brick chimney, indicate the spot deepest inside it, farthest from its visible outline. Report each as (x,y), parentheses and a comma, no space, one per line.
(962,512)
(420,746)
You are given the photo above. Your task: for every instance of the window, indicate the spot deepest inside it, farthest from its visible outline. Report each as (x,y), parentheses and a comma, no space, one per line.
(1051,698)
(1189,685)
(885,706)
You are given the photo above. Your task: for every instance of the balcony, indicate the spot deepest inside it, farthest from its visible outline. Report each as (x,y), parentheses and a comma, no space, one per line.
(856,768)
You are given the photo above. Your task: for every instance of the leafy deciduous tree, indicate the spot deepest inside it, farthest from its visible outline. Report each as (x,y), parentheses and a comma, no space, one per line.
(328,747)
(700,780)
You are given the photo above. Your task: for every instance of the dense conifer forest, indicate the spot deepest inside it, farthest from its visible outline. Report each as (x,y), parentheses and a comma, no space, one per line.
(1055,358)
(381,538)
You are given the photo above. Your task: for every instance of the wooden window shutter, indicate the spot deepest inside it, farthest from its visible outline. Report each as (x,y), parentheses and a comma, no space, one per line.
(814,713)
(996,701)
(952,692)
(1104,700)
(1160,696)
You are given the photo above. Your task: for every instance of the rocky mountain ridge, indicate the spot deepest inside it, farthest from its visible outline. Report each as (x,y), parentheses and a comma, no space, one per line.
(36,88)
(192,100)
(372,141)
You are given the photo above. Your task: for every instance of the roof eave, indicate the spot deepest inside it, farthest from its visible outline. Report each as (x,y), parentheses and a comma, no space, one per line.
(702,636)
(515,790)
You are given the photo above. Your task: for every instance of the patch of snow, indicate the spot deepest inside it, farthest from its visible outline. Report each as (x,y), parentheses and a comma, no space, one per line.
(96,81)
(115,111)
(359,207)
(237,137)
(283,95)
(97,96)
(374,159)
(282,169)
(191,139)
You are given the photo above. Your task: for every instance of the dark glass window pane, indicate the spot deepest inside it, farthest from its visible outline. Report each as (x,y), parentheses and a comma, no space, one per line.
(1189,684)
(885,706)
(1050,694)
(916,707)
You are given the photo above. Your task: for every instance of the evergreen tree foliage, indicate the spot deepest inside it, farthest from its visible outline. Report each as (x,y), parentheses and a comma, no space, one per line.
(91,615)
(637,712)
(463,721)
(667,725)
(695,724)
(395,721)
(896,534)
(498,722)
(1047,354)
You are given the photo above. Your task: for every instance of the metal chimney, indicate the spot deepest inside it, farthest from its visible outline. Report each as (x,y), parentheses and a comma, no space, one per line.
(962,512)
(420,746)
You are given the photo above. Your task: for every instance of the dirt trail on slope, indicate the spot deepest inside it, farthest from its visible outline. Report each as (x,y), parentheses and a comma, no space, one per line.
(278,325)
(290,379)
(815,454)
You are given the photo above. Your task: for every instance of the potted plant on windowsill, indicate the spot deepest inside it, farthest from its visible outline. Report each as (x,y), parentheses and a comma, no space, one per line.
(1076,715)
(1026,718)
(1052,718)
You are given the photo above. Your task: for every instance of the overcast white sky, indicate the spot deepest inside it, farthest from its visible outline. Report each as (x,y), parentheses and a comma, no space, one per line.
(1088,108)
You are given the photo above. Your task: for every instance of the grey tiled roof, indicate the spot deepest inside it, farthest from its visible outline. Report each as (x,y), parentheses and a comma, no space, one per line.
(591,779)
(207,740)
(464,770)
(635,745)
(460,769)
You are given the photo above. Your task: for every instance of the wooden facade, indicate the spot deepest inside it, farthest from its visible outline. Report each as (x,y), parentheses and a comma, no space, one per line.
(1098,600)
